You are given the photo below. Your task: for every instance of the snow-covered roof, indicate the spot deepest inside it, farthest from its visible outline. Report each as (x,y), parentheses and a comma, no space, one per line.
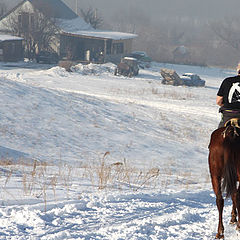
(9,37)
(104,34)
(78,26)
(73,25)
(55,8)
(130,58)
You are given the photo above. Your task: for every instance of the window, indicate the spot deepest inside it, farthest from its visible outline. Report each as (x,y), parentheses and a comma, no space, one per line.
(32,21)
(117,48)
(26,21)
(109,44)
(1,54)
(12,48)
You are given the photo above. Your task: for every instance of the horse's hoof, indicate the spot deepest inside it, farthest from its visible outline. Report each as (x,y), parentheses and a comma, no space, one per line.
(219,236)
(232,222)
(238,228)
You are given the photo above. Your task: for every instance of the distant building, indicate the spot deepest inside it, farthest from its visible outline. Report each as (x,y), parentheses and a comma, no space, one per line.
(11,49)
(75,39)
(181,54)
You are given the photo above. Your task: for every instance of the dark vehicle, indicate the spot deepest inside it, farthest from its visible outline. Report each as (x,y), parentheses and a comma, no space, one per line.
(142,58)
(47,57)
(191,79)
(127,67)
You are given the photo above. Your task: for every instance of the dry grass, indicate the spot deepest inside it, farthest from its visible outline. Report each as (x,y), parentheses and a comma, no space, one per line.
(41,180)
(103,173)
(173,94)
(120,175)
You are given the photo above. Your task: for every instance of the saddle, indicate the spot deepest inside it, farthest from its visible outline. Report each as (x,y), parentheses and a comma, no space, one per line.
(235,124)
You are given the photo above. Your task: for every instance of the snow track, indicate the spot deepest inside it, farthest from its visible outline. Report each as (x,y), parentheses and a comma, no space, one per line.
(181,215)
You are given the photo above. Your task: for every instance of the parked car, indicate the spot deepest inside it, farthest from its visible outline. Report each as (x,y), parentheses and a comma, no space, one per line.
(142,58)
(191,79)
(47,57)
(127,67)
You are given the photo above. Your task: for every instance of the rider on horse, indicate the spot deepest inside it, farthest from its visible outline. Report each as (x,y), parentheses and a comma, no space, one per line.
(228,98)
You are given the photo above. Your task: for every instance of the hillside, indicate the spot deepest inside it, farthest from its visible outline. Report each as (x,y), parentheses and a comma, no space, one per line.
(90,155)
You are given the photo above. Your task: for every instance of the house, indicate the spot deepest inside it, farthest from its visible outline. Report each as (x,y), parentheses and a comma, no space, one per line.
(11,49)
(181,54)
(74,38)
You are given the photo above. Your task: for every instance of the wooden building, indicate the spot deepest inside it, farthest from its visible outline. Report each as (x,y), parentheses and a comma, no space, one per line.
(95,46)
(74,38)
(11,49)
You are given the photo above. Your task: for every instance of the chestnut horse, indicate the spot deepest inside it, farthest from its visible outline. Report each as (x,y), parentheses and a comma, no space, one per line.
(224,166)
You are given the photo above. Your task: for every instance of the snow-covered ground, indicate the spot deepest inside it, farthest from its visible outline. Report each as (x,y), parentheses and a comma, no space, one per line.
(90,155)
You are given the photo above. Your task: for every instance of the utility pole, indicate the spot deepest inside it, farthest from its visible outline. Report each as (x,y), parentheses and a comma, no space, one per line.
(95,14)
(76,7)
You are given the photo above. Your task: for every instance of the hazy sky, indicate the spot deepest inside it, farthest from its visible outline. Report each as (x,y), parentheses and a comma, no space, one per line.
(157,8)
(204,9)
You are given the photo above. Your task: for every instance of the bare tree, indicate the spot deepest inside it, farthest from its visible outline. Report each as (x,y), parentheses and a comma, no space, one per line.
(3,8)
(38,30)
(91,16)
(228,31)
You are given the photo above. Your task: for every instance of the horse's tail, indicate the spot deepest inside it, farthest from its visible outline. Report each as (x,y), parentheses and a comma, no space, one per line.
(231,146)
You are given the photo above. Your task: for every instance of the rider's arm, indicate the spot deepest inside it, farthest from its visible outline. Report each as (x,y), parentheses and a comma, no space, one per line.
(219,101)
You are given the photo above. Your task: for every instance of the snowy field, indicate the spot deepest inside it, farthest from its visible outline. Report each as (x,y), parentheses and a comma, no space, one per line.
(90,155)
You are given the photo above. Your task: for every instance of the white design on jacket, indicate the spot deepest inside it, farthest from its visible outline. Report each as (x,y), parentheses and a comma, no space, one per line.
(234,93)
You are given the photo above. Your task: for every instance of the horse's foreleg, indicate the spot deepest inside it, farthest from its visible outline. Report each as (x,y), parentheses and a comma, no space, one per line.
(234,212)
